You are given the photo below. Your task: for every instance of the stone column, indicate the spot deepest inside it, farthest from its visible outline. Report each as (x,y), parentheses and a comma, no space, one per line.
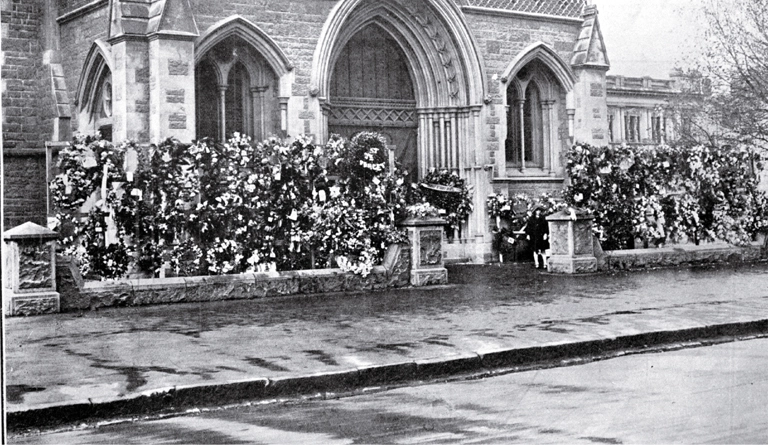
(426,238)
(130,89)
(570,239)
(222,113)
(172,87)
(29,271)
(259,119)
(521,111)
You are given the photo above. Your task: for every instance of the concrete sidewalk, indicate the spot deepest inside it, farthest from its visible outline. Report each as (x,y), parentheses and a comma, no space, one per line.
(127,361)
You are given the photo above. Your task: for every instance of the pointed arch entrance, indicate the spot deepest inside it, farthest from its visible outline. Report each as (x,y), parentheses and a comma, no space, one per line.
(448,85)
(372,89)
(438,52)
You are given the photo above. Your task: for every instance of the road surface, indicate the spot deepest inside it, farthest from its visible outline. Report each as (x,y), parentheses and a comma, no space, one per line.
(710,394)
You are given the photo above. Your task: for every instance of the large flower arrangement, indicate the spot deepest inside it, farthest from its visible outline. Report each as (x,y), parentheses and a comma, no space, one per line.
(701,192)
(210,208)
(86,193)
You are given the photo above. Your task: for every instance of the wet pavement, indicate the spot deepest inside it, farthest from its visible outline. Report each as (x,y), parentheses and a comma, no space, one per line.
(120,353)
(717,394)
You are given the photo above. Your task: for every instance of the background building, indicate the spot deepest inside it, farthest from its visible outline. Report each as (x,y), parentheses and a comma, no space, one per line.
(492,90)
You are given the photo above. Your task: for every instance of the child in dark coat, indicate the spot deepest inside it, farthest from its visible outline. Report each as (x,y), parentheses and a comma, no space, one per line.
(537,232)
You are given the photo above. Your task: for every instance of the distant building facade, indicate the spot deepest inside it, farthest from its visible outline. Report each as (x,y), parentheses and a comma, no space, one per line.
(493,90)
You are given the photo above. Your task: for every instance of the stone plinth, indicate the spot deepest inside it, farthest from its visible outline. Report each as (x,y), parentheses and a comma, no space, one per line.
(571,242)
(29,270)
(426,238)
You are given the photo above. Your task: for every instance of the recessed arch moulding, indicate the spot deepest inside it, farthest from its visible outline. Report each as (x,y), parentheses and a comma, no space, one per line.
(447,76)
(262,58)
(98,66)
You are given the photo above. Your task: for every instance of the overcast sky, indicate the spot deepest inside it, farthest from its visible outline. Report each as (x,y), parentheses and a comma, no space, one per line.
(650,37)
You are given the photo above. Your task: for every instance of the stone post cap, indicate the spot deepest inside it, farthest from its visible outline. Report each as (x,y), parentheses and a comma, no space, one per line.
(30,230)
(565,215)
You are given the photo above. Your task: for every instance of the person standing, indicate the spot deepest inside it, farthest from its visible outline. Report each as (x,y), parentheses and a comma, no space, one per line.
(537,233)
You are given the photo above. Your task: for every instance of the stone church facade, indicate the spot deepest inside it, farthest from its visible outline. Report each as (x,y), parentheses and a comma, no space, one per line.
(493,90)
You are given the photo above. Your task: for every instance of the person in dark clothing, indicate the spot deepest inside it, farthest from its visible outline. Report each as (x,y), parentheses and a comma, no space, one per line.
(537,233)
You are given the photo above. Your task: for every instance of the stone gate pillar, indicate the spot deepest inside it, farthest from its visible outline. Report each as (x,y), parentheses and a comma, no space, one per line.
(29,270)
(570,239)
(426,238)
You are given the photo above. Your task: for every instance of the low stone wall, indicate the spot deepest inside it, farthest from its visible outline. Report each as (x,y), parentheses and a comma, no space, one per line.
(680,255)
(79,295)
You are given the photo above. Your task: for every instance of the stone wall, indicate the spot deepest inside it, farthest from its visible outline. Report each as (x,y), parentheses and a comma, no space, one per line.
(680,255)
(79,295)
(500,39)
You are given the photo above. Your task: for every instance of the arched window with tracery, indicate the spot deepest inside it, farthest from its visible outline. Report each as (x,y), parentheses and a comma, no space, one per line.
(530,144)
(236,91)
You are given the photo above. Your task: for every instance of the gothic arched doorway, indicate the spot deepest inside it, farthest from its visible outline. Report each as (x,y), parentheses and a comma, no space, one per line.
(371,90)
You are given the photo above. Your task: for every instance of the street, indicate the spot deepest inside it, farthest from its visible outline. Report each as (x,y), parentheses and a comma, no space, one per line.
(715,394)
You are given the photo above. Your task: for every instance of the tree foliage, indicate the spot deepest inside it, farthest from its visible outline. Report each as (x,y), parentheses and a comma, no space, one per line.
(734,68)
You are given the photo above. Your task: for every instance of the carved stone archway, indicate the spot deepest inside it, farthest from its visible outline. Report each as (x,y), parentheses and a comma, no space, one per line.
(448,79)
(449,82)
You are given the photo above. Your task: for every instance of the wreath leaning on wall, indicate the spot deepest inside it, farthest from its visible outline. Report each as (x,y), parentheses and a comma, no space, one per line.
(449,193)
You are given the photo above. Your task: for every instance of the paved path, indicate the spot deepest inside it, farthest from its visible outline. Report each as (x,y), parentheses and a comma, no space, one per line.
(118,354)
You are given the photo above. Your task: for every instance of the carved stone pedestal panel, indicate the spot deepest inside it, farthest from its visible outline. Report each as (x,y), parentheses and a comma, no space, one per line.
(426,238)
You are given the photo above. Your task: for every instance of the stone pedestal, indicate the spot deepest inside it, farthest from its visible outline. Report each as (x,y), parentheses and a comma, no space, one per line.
(570,239)
(29,271)
(426,238)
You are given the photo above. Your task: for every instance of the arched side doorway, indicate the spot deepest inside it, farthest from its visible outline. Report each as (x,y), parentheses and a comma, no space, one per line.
(235,91)
(95,92)
(371,89)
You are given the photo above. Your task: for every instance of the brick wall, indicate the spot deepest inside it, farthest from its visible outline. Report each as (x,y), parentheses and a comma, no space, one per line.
(27,110)
(25,198)
(66,6)
(24,76)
